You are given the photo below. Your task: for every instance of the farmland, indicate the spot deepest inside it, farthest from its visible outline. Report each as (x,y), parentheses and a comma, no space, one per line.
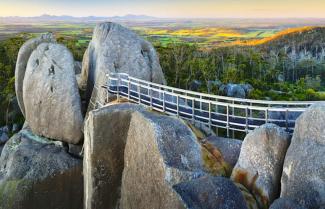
(164,34)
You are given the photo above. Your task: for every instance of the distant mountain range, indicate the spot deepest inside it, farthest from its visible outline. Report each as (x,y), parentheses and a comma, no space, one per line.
(66,18)
(185,22)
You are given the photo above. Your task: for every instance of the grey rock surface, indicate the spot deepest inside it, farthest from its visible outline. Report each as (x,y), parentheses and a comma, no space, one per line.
(232,90)
(77,67)
(260,162)
(229,148)
(211,193)
(195,85)
(247,88)
(283,203)
(75,150)
(136,157)
(38,173)
(1,148)
(3,137)
(303,177)
(15,128)
(23,56)
(116,49)
(51,95)
(4,131)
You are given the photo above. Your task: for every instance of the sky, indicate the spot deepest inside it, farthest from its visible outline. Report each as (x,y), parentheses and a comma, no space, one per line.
(168,8)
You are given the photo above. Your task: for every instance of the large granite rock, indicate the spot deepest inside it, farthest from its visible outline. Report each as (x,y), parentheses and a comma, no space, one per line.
(229,148)
(283,203)
(38,173)
(23,56)
(247,88)
(303,177)
(4,131)
(260,163)
(51,95)
(195,85)
(115,49)
(211,193)
(133,157)
(232,90)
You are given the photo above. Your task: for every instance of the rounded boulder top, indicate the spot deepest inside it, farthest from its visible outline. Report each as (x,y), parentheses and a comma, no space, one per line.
(23,56)
(51,95)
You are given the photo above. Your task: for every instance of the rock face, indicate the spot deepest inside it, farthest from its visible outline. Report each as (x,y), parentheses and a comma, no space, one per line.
(135,159)
(260,163)
(195,85)
(232,90)
(247,88)
(283,203)
(23,56)
(115,49)
(229,148)
(77,67)
(38,173)
(303,177)
(51,95)
(4,135)
(211,193)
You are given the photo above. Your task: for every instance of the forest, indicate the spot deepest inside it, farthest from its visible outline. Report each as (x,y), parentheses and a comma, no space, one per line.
(288,67)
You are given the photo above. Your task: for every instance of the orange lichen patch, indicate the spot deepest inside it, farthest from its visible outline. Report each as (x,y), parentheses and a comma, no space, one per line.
(212,158)
(241,176)
(198,133)
(214,161)
(212,165)
(249,198)
(120,101)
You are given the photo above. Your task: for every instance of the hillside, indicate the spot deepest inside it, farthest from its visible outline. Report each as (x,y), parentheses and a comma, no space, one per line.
(306,40)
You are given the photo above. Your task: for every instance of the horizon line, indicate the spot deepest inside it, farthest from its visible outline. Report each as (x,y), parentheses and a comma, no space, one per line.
(160,17)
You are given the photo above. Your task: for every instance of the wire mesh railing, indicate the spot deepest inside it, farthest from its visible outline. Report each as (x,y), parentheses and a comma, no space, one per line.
(216,112)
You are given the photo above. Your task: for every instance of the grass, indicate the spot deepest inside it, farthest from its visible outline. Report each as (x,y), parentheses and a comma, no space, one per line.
(166,33)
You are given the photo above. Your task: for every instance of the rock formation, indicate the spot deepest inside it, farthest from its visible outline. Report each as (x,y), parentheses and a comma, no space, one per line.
(303,178)
(229,148)
(21,64)
(141,153)
(283,203)
(143,159)
(115,49)
(232,90)
(135,157)
(51,95)
(260,163)
(38,173)
(3,137)
(211,193)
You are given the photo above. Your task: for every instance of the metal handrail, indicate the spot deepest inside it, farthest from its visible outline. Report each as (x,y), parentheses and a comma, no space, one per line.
(232,114)
(215,97)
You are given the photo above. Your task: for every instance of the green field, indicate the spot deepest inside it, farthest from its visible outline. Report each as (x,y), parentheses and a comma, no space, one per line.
(164,34)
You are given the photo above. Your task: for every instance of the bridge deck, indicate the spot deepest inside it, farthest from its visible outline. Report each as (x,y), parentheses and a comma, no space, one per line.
(231,114)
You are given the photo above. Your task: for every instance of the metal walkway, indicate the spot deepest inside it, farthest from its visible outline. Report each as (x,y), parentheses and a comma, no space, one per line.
(216,112)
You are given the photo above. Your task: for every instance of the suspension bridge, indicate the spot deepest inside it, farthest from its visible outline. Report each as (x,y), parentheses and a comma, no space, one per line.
(216,112)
